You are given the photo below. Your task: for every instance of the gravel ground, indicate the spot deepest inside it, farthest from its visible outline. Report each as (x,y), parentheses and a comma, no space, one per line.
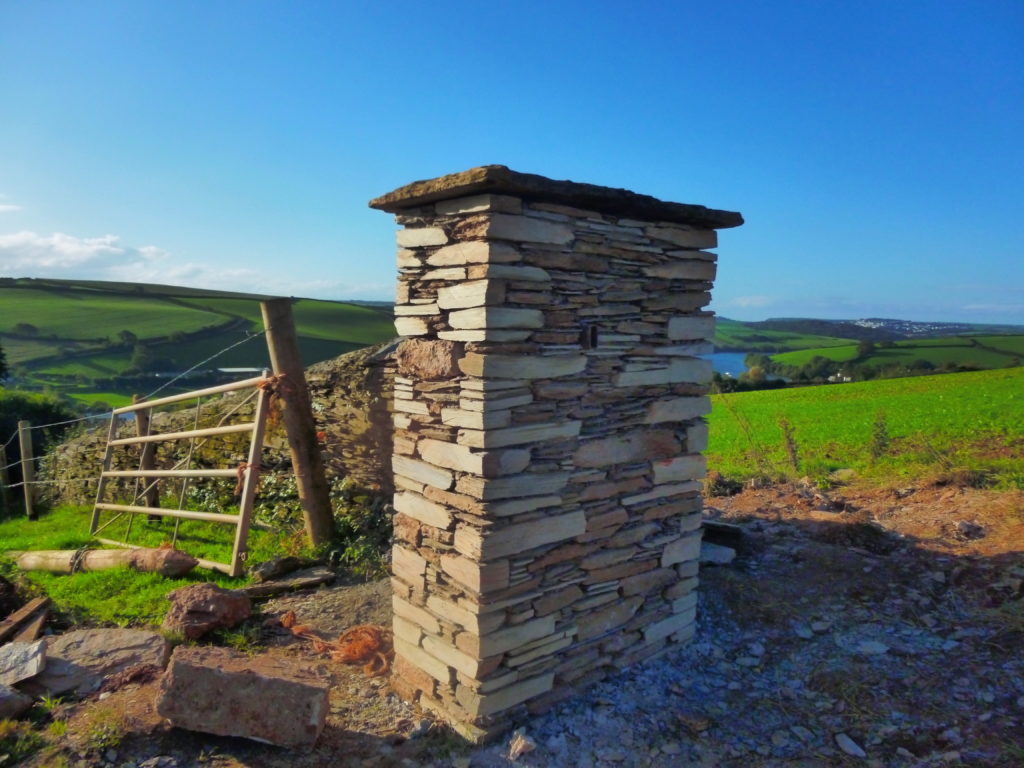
(833,641)
(836,638)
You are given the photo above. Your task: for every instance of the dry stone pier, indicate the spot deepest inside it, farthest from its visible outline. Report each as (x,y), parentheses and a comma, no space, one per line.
(548,430)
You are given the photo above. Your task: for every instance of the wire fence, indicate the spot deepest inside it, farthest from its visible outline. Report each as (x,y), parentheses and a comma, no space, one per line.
(20,463)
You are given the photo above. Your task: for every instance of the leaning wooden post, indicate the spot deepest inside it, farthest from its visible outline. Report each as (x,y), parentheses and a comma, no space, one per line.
(283,344)
(146,458)
(28,470)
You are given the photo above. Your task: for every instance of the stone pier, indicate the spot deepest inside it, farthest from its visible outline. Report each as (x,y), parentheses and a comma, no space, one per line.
(549,425)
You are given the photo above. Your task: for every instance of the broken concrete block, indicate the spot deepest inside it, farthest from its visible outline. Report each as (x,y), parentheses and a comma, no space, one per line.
(220,691)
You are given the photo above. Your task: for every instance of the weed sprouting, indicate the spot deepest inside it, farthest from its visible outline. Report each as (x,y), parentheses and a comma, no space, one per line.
(789,440)
(880,439)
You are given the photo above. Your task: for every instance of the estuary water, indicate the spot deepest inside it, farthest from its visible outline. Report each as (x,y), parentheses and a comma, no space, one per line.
(728,362)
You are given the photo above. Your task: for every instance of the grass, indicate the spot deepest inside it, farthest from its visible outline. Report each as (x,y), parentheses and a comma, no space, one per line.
(113,399)
(122,596)
(71,314)
(966,422)
(983,351)
(75,320)
(733,334)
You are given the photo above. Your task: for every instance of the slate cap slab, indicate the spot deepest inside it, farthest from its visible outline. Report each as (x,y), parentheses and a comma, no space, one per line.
(501,180)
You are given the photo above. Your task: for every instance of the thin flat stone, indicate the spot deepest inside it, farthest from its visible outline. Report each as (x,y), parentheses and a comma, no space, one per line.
(499,179)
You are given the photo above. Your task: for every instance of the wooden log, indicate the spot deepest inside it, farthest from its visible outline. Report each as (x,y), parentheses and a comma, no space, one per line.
(9,625)
(32,627)
(167,562)
(311,577)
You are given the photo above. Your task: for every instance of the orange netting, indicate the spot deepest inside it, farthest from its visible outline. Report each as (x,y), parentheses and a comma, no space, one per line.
(366,644)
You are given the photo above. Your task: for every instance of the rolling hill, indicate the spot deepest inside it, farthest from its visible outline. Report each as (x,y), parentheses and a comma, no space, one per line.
(88,338)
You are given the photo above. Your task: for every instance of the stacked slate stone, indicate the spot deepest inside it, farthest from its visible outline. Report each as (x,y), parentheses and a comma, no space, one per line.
(548,429)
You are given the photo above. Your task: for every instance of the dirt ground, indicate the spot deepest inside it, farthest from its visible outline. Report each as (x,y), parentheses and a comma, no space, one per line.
(933,575)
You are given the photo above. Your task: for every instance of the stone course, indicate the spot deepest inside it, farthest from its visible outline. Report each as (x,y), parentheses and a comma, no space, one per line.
(548,429)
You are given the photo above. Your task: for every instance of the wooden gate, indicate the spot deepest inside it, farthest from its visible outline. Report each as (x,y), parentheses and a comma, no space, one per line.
(145,496)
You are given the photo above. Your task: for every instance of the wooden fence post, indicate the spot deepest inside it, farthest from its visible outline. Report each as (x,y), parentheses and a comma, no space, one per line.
(283,344)
(5,480)
(28,469)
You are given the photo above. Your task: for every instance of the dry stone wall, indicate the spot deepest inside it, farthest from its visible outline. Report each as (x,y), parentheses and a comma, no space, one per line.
(549,425)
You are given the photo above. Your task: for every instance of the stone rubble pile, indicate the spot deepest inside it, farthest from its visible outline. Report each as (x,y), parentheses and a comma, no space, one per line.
(548,430)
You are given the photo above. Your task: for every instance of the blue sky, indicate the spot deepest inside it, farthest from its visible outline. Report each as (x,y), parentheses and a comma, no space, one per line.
(874,148)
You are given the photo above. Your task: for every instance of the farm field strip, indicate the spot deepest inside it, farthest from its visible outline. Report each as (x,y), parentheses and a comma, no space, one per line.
(989,351)
(928,418)
(730,333)
(83,316)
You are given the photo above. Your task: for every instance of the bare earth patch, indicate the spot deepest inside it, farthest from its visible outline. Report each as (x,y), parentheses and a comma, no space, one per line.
(886,623)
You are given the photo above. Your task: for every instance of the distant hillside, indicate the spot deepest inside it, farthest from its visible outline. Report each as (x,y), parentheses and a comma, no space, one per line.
(974,351)
(738,336)
(787,334)
(102,341)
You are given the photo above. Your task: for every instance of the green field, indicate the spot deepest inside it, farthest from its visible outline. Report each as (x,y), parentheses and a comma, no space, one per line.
(88,315)
(979,351)
(733,334)
(123,596)
(964,421)
(66,335)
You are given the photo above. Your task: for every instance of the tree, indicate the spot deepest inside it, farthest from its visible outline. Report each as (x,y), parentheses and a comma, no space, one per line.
(865,348)
(142,358)
(26,329)
(127,337)
(3,366)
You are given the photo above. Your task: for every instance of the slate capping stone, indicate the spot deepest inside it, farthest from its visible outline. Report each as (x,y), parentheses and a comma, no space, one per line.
(499,179)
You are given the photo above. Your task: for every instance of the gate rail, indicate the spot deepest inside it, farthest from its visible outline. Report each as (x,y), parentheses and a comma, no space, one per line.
(248,473)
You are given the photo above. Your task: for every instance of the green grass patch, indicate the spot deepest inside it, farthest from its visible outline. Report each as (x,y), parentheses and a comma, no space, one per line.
(73,314)
(734,334)
(19,351)
(978,351)
(113,399)
(122,596)
(68,334)
(969,423)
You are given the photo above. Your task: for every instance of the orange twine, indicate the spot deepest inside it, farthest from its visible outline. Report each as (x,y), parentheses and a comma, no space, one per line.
(366,644)
(277,385)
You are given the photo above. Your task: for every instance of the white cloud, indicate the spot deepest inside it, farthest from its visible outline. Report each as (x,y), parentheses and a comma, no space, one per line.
(62,256)
(8,208)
